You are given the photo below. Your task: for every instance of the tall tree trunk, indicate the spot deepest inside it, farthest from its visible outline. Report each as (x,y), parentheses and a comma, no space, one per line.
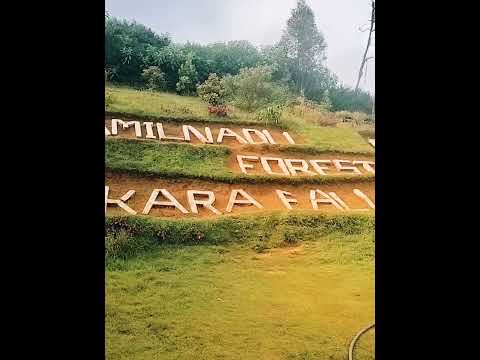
(364,59)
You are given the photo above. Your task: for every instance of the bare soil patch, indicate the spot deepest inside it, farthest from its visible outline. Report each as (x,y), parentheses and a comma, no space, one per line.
(263,193)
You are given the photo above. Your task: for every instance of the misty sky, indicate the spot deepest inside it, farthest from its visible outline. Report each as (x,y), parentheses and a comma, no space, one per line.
(261,22)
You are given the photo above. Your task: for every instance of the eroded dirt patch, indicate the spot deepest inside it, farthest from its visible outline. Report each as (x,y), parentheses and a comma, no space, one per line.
(265,194)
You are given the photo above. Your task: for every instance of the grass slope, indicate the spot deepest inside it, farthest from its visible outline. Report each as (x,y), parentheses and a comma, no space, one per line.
(165,106)
(228,297)
(204,162)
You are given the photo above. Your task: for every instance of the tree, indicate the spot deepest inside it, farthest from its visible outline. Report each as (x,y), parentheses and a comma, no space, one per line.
(254,88)
(188,77)
(365,58)
(154,78)
(212,90)
(125,46)
(303,46)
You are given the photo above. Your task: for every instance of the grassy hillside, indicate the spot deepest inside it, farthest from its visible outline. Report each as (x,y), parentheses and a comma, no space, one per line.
(274,285)
(281,287)
(165,106)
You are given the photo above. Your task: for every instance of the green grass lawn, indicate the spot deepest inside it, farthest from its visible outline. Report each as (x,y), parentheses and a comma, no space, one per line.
(231,299)
(166,106)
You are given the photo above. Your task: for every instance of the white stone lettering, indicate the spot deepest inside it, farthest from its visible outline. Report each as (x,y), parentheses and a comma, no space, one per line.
(126,125)
(233,200)
(266,166)
(227,132)
(149,128)
(340,167)
(153,201)
(364,197)
(120,202)
(162,136)
(366,165)
(247,133)
(302,168)
(208,204)
(320,169)
(242,165)
(207,139)
(268,136)
(325,200)
(335,197)
(288,137)
(285,201)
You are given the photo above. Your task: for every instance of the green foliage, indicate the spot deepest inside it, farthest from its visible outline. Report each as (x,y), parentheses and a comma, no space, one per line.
(253,88)
(212,91)
(125,45)
(302,46)
(154,78)
(295,62)
(326,102)
(128,236)
(188,77)
(109,99)
(270,115)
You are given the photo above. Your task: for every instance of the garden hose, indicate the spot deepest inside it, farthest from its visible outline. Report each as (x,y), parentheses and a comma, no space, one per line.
(354,341)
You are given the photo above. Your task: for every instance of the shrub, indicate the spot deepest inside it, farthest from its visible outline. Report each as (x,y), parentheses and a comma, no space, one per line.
(212,91)
(108,99)
(154,78)
(188,76)
(253,88)
(270,115)
(220,110)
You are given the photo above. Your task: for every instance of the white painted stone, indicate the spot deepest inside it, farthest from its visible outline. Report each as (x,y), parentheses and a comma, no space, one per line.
(149,129)
(242,165)
(107,132)
(162,136)
(288,137)
(207,139)
(340,167)
(152,201)
(227,132)
(325,200)
(335,197)
(208,204)
(126,125)
(120,202)
(248,136)
(320,169)
(286,201)
(266,166)
(366,165)
(248,200)
(364,197)
(269,137)
(294,169)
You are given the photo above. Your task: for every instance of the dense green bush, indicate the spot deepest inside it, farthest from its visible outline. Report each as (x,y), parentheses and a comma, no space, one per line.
(212,91)
(270,115)
(154,78)
(253,88)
